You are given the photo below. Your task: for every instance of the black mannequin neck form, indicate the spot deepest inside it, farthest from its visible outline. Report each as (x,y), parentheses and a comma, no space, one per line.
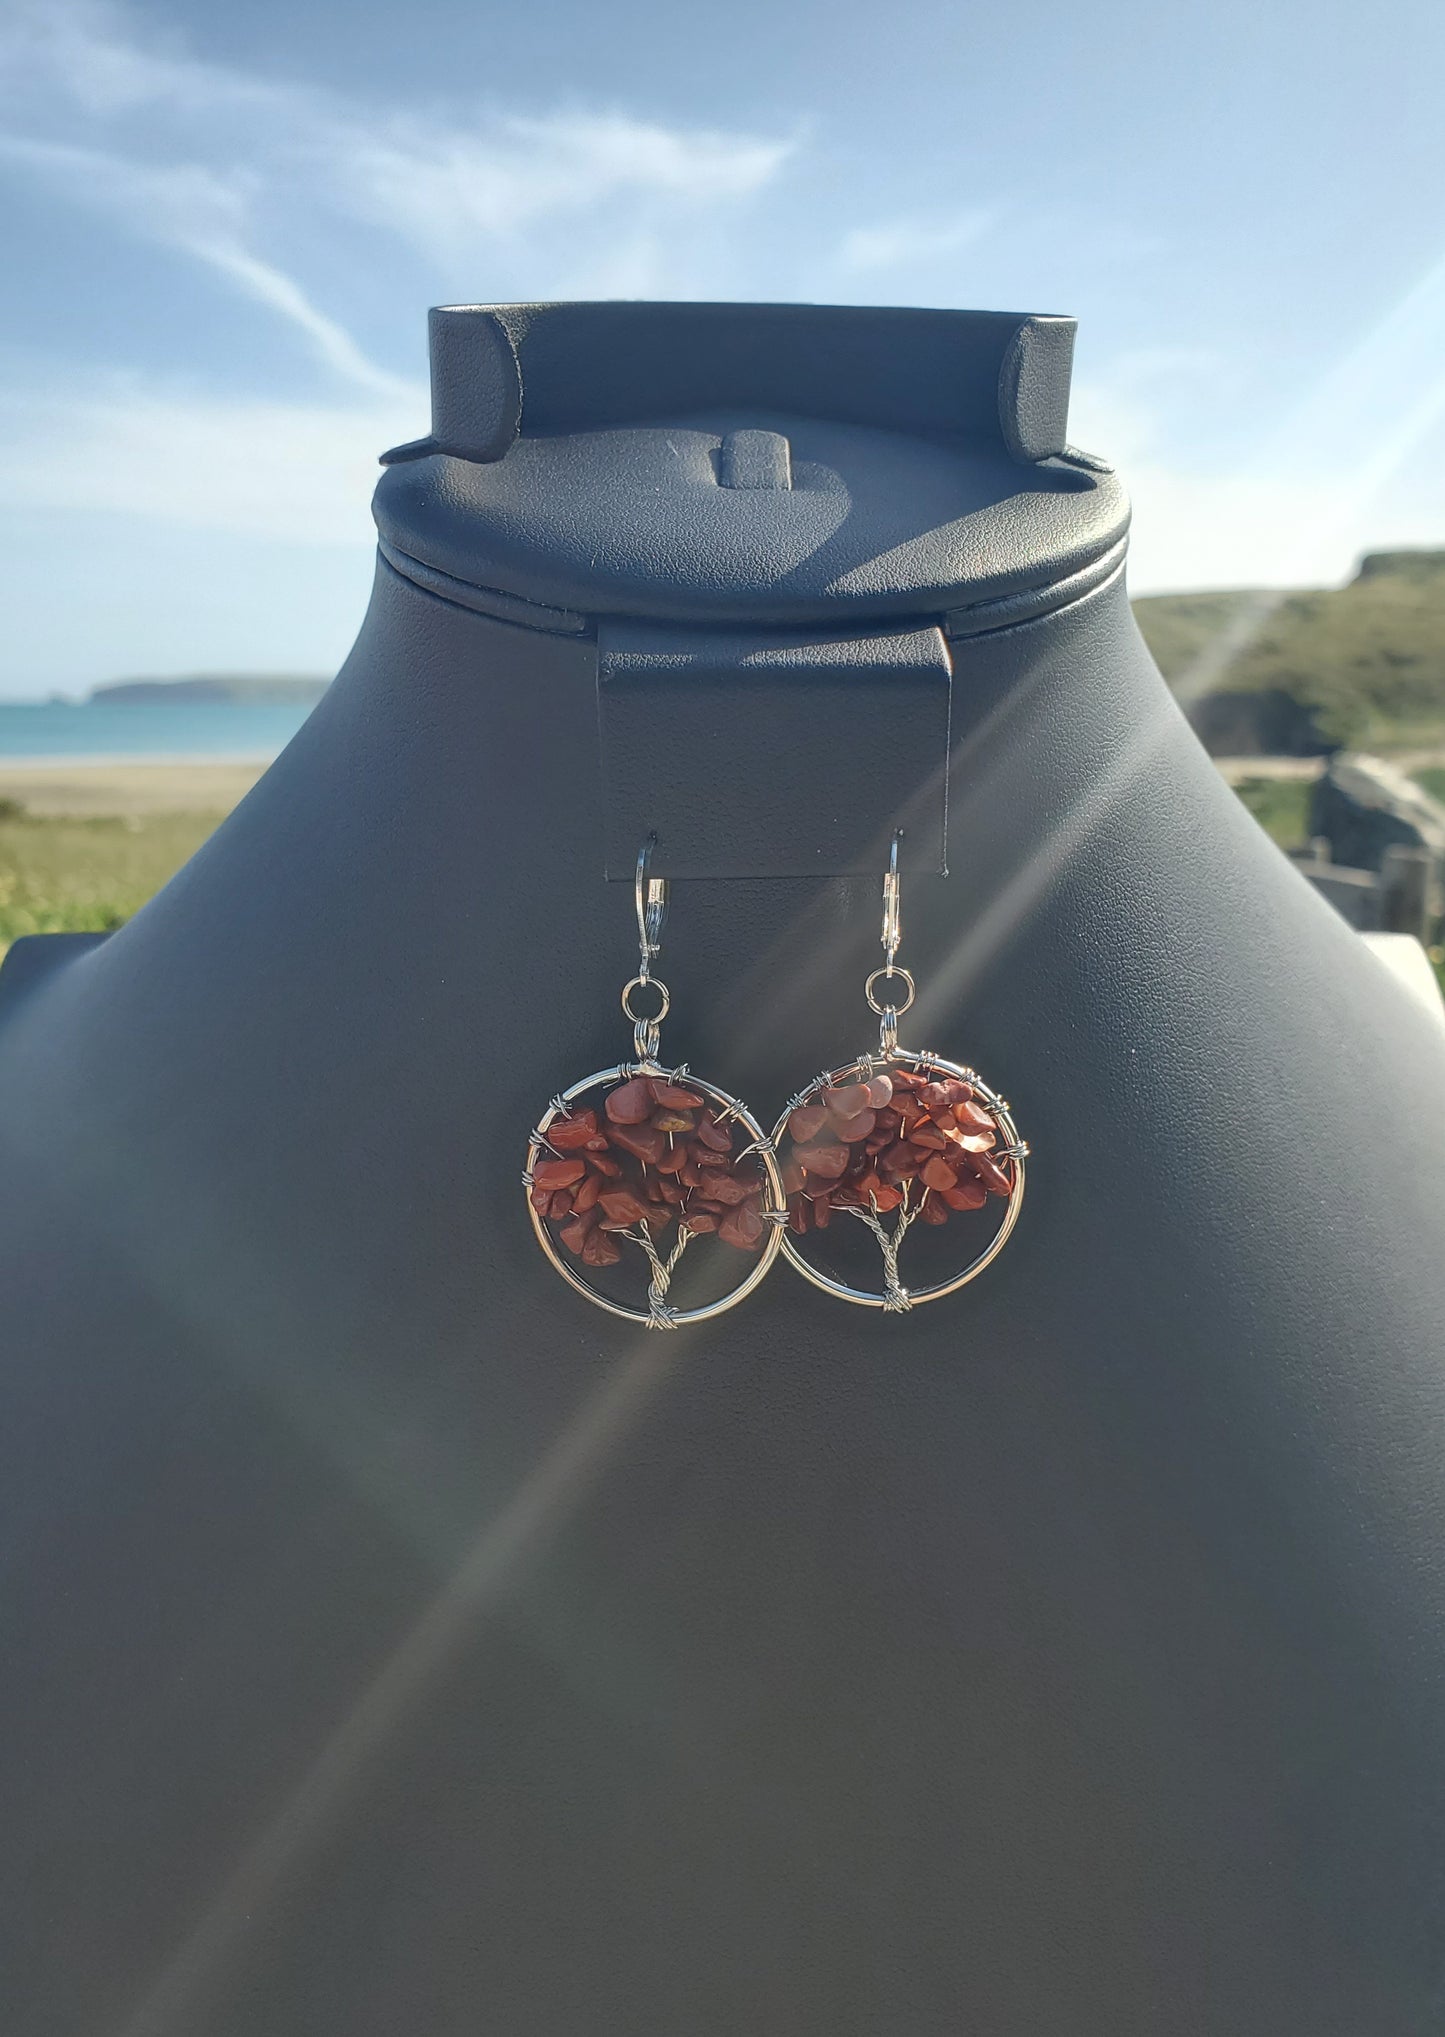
(1066,1659)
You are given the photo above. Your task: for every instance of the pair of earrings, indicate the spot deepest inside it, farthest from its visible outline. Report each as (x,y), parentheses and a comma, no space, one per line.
(629,1169)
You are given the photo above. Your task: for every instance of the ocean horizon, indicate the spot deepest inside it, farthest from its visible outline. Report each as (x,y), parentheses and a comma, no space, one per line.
(37,731)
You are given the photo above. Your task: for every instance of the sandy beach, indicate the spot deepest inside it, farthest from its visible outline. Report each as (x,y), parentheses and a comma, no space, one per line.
(125,786)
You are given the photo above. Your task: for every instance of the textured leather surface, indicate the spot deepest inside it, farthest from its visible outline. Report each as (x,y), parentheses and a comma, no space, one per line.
(983,374)
(695,725)
(989,375)
(393,1643)
(1033,396)
(33,956)
(564,622)
(1004,610)
(476,388)
(746,464)
(632,521)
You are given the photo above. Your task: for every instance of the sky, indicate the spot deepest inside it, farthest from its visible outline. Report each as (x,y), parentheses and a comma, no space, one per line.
(220,229)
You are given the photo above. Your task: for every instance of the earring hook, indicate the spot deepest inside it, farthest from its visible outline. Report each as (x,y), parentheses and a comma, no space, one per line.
(892,936)
(890,974)
(650,896)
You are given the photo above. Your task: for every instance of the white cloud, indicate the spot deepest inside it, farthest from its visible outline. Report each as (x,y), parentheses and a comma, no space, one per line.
(910,242)
(190,208)
(1281,517)
(1248,530)
(166,201)
(92,55)
(281,293)
(447,192)
(224,168)
(191,144)
(1296,505)
(242,175)
(294,472)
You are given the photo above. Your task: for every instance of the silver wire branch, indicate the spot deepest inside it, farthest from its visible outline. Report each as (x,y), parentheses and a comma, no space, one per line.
(540,1141)
(659,1315)
(659,1312)
(896,1297)
(807,1093)
(1011,1153)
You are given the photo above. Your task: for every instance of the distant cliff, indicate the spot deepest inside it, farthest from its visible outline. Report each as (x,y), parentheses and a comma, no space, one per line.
(226,688)
(1358,664)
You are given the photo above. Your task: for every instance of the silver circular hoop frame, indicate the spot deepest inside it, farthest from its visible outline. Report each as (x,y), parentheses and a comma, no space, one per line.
(1012,1149)
(774,1212)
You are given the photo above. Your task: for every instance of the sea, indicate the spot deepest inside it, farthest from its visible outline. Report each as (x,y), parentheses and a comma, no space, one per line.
(159,730)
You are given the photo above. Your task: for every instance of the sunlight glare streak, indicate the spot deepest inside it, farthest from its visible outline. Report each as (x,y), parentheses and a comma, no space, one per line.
(552,1491)
(1389,390)
(982,939)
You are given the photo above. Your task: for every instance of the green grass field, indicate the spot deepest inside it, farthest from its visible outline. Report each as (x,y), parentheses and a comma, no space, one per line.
(1280,805)
(1369,657)
(61,875)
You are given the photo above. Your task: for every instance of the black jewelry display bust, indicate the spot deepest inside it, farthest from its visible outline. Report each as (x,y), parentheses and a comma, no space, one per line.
(391,1641)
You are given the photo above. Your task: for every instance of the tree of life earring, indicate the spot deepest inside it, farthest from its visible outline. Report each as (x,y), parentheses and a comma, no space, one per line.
(630,1169)
(893,1140)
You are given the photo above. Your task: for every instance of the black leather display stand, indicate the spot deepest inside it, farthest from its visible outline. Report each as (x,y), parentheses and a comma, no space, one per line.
(393,1643)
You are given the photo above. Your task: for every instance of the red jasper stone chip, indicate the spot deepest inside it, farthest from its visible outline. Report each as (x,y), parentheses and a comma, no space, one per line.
(860,1145)
(631,1103)
(656,1153)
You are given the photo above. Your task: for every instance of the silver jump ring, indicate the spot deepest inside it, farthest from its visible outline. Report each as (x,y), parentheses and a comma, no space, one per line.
(646,983)
(894,1004)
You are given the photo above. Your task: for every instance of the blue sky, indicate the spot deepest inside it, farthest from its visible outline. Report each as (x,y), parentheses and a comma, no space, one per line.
(222,227)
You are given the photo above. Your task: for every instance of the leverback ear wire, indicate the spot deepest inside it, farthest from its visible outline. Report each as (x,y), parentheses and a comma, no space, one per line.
(650,898)
(891,940)
(892,935)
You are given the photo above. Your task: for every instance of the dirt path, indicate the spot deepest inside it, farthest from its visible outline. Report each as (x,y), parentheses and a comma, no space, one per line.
(1236,769)
(89,787)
